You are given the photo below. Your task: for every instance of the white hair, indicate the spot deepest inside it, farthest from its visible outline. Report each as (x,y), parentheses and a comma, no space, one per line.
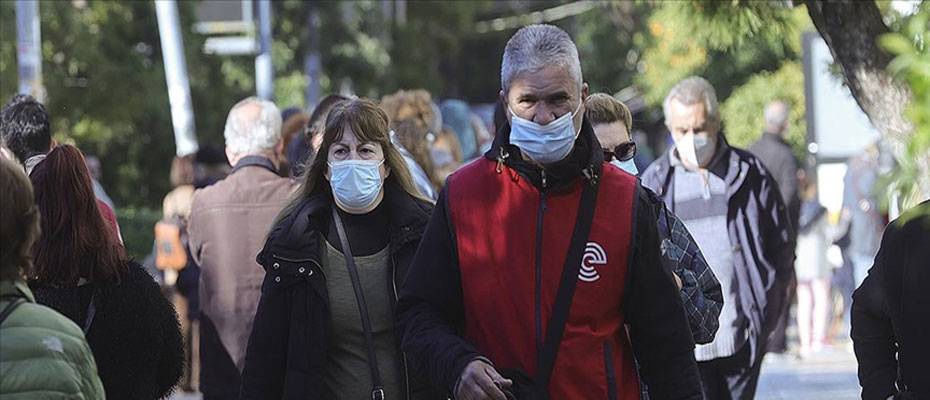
(776,114)
(535,47)
(690,91)
(253,126)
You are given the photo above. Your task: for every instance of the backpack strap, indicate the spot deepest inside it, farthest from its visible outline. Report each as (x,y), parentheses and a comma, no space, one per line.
(15,301)
(545,361)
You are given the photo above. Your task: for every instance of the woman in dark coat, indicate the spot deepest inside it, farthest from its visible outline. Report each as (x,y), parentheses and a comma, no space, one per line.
(82,271)
(324,328)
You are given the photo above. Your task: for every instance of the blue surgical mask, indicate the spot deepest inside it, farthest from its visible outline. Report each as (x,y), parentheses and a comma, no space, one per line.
(356,183)
(544,144)
(628,166)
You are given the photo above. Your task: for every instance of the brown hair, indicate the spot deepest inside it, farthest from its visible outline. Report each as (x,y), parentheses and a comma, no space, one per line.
(448,138)
(602,108)
(19,221)
(416,105)
(412,135)
(370,124)
(76,241)
(316,123)
(294,125)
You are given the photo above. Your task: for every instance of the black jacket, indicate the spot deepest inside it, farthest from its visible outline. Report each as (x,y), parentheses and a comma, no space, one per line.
(761,235)
(286,355)
(431,310)
(891,311)
(134,332)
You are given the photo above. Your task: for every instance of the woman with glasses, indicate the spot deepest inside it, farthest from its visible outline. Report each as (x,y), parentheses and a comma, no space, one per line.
(700,292)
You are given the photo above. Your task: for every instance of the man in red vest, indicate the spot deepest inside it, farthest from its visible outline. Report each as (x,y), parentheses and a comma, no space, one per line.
(536,257)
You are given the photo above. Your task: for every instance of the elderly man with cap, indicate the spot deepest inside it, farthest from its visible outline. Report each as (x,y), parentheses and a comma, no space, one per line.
(537,255)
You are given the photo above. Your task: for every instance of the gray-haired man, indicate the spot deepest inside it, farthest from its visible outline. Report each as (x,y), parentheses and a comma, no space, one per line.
(227,228)
(731,205)
(478,313)
(778,157)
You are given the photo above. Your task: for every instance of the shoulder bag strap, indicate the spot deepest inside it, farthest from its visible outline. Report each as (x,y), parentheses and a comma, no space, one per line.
(545,361)
(91,312)
(377,390)
(15,301)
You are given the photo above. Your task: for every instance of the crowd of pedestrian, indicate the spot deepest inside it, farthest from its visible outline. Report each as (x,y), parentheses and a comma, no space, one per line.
(406,248)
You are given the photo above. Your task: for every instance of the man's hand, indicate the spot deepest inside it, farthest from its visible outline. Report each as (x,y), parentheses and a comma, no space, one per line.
(480,381)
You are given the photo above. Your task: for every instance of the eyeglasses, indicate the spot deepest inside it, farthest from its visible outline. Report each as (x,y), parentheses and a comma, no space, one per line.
(623,152)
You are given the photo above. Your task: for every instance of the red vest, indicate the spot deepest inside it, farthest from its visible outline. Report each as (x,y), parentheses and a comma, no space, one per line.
(494,215)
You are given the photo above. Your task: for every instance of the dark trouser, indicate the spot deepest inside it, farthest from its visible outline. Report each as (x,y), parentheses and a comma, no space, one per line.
(731,378)
(219,377)
(778,340)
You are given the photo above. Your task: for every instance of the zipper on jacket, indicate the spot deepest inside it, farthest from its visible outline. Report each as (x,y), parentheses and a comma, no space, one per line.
(538,292)
(403,356)
(610,371)
(543,175)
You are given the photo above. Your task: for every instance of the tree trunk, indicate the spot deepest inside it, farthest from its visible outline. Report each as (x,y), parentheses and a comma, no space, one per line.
(851,30)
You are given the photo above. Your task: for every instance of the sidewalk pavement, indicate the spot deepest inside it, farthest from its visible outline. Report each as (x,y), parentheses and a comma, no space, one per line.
(828,375)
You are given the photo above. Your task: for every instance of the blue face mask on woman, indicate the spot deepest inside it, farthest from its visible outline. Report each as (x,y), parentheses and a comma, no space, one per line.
(628,166)
(544,144)
(356,183)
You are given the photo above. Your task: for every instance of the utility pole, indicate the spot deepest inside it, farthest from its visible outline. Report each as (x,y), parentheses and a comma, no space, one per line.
(400,12)
(29,49)
(312,64)
(179,89)
(264,71)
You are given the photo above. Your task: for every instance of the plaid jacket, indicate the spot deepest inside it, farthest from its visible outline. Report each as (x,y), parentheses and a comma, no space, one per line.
(700,291)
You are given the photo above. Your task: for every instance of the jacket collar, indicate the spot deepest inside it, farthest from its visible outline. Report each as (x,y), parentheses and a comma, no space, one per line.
(584,161)
(32,162)
(16,288)
(297,235)
(774,137)
(257,161)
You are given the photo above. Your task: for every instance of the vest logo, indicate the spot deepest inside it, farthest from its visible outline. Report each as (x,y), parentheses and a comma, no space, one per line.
(594,255)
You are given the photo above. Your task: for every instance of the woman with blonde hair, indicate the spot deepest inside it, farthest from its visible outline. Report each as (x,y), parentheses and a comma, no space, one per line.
(416,122)
(334,259)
